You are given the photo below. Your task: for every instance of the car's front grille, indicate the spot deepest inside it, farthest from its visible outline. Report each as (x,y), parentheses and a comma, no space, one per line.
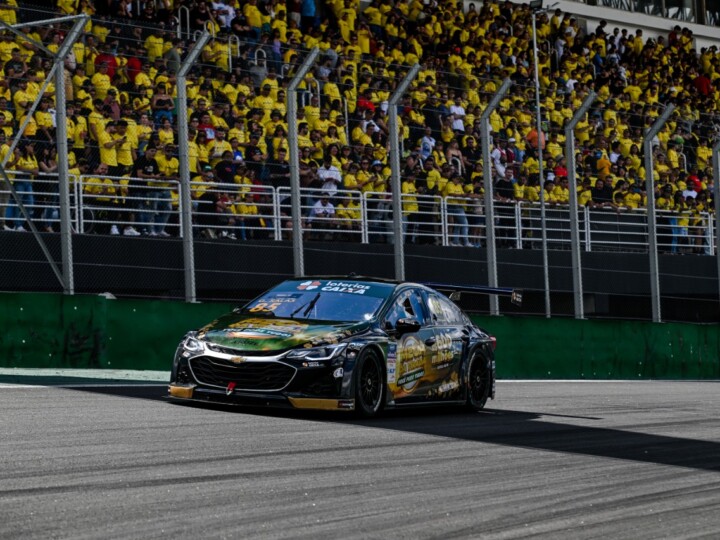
(229,350)
(254,376)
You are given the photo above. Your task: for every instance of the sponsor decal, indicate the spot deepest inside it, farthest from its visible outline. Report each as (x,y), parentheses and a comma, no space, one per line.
(257,333)
(410,362)
(391,362)
(288,326)
(443,351)
(308,285)
(350,287)
(254,329)
(448,386)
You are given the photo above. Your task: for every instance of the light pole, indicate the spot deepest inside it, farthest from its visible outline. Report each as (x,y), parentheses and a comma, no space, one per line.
(536,7)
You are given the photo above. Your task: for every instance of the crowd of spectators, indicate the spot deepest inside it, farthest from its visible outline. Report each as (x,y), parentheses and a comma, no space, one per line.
(120,83)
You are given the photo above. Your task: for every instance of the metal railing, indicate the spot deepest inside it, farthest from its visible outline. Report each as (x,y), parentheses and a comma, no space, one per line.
(110,205)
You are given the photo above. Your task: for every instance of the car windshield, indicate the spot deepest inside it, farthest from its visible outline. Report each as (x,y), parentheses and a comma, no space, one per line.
(326,300)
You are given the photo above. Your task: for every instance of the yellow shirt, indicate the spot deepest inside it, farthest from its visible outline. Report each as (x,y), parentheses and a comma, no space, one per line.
(451,188)
(409,200)
(124,151)
(108,155)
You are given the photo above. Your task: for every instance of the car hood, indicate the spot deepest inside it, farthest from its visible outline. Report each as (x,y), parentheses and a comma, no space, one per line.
(251,333)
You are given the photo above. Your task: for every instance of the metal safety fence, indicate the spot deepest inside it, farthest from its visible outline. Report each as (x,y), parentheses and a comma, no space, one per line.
(135,207)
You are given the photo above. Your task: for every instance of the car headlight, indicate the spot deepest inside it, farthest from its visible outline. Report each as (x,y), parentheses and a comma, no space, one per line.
(327,352)
(193,345)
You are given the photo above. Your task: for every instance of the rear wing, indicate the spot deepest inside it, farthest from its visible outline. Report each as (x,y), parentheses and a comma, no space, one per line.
(514,294)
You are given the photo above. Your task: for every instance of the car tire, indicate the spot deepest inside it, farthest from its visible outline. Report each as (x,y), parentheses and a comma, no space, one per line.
(479,382)
(369,385)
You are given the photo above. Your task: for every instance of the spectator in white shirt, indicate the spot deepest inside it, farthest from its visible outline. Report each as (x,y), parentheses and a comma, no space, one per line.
(330,176)
(458,115)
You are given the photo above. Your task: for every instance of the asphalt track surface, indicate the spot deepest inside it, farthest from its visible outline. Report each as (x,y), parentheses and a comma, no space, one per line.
(546,460)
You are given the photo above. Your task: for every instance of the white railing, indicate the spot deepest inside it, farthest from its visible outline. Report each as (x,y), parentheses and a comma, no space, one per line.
(119,203)
(238,212)
(336,221)
(41,202)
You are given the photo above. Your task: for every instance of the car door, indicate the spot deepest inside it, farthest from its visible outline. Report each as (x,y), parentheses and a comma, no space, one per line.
(408,358)
(446,349)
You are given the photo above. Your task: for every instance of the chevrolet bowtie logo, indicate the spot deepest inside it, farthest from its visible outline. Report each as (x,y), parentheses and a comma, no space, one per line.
(238,359)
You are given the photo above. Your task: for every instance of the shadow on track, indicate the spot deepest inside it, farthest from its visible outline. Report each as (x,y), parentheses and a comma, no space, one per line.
(523,430)
(503,427)
(532,430)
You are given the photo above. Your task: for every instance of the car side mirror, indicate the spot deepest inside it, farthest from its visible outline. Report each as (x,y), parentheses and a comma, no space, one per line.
(407,326)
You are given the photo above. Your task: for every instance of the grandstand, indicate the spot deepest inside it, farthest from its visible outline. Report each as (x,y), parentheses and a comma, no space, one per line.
(123,136)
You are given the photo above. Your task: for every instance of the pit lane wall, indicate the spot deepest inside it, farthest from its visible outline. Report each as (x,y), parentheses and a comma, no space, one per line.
(56,331)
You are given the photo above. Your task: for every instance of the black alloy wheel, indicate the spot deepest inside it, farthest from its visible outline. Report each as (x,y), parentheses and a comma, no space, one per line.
(479,382)
(369,385)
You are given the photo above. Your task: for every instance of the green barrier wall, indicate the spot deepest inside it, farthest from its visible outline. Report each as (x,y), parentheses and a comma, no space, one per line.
(56,331)
(568,349)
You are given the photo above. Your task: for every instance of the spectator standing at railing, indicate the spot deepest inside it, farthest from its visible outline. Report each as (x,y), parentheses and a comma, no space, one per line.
(410,209)
(161,194)
(330,176)
(504,196)
(101,198)
(349,216)
(108,145)
(146,169)
(24,162)
(46,187)
(247,217)
(601,195)
(322,218)
(454,193)
(125,150)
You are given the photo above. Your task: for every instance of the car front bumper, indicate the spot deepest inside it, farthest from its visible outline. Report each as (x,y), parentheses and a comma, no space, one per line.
(192,392)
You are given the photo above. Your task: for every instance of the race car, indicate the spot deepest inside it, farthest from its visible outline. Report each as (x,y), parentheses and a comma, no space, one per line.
(340,343)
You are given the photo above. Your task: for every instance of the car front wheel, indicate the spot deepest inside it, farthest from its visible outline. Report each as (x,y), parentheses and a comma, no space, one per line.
(479,382)
(369,385)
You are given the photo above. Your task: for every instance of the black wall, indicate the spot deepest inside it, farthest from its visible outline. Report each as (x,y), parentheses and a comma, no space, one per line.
(616,284)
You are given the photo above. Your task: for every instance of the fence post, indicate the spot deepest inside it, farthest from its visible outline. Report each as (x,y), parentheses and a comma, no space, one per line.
(61,136)
(716,197)
(651,214)
(396,181)
(489,196)
(186,228)
(574,222)
(297,232)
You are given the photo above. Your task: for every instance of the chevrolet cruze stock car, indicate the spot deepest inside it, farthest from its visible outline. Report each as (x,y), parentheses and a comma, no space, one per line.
(347,344)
